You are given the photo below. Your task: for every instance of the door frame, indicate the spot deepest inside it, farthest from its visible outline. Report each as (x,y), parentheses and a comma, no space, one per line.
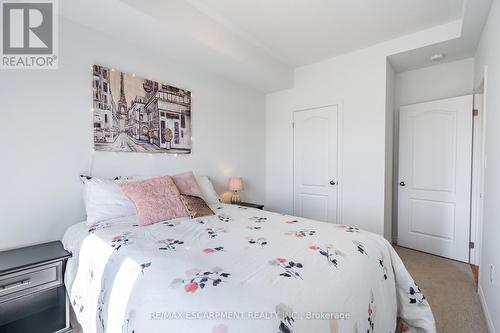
(340,122)
(478,166)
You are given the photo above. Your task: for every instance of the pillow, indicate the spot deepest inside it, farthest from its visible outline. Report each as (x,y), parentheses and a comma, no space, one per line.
(207,188)
(104,200)
(186,184)
(156,200)
(196,206)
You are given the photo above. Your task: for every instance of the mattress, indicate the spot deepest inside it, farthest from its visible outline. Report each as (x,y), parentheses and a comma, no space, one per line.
(241,270)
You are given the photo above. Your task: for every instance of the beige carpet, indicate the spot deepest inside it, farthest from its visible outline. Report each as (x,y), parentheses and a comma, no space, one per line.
(449,287)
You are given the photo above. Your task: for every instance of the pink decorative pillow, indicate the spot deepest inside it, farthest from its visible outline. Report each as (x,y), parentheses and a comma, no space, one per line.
(187,184)
(155,199)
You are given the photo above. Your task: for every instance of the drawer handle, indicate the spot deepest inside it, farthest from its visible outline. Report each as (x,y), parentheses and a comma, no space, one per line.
(15,285)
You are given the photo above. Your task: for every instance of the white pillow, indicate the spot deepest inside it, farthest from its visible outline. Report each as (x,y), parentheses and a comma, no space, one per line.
(208,190)
(104,200)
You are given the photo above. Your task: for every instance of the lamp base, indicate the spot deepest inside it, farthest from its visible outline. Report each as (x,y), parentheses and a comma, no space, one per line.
(235,198)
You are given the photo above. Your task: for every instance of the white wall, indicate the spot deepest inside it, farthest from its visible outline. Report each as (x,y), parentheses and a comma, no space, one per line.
(422,85)
(436,82)
(488,54)
(324,83)
(389,148)
(357,81)
(46,136)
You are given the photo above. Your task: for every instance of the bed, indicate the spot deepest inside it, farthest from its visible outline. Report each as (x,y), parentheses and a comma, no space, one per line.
(241,270)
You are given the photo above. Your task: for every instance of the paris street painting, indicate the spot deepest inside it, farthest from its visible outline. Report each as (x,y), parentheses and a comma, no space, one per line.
(133,114)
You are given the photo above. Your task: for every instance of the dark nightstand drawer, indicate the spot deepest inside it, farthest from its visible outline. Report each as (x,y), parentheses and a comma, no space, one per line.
(30,280)
(32,293)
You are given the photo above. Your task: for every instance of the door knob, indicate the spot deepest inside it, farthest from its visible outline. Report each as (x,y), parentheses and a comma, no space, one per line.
(332,182)
(402,183)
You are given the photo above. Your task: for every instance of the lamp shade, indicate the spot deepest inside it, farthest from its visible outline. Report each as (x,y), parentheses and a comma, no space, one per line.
(236,184)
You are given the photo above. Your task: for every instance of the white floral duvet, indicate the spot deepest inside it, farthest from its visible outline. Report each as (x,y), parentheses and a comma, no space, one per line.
(242,270)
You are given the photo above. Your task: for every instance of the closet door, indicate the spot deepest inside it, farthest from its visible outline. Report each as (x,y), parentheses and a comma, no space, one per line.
(315,160)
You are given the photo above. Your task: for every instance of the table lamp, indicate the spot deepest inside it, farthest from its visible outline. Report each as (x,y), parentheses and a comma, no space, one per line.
(235,186)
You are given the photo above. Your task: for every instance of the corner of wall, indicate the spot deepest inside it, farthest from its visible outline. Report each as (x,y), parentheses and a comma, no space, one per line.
(389,150)
(487,315)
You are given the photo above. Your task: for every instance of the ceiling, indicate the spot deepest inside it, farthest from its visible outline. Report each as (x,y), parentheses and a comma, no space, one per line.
(474,17)
(301,32)
(260,42)
(184,35)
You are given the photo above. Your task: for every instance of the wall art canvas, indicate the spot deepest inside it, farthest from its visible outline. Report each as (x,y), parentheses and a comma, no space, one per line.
(133,114)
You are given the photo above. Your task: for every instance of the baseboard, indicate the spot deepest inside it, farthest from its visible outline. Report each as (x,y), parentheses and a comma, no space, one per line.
(491,328)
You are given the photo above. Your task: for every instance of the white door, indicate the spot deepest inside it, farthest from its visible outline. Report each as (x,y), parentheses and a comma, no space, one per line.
(435,149)
(315,163)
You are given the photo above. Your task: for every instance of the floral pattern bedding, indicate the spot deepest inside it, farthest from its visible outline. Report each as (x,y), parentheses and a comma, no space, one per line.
(241,270)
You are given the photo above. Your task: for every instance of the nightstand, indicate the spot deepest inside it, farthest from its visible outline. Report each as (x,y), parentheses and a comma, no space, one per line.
(251,205)
(32,293)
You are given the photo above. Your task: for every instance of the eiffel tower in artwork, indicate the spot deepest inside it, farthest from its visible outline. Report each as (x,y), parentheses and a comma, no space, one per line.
(122,106)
